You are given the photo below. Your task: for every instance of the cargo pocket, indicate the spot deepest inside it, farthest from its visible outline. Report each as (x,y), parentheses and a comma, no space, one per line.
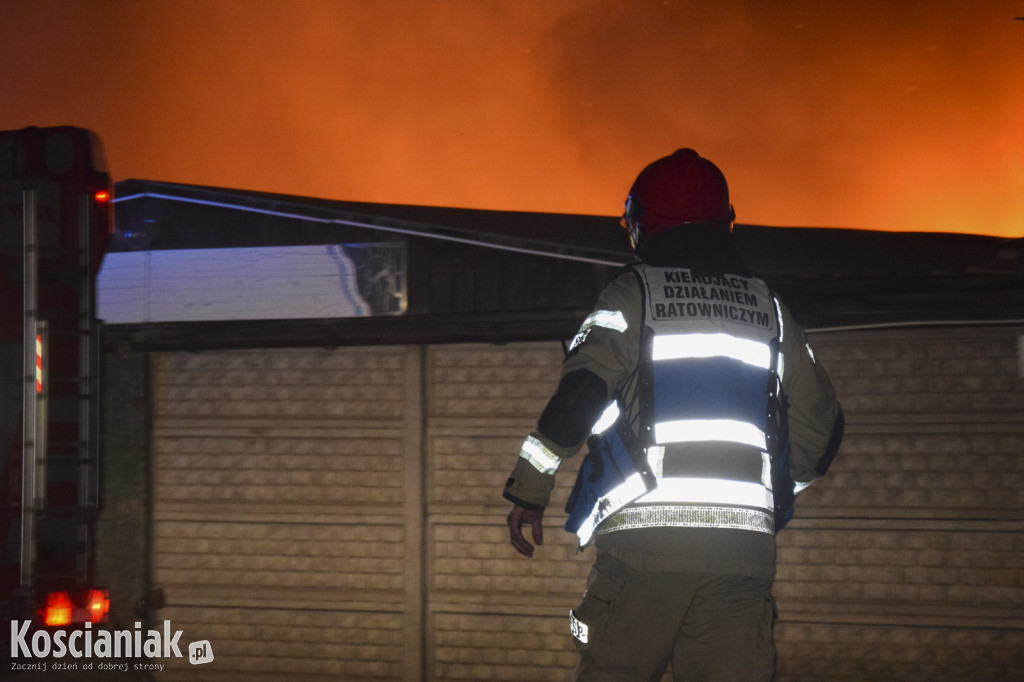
(589,620)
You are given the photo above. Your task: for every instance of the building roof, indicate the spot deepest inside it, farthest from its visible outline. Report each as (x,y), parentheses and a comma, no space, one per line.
(828,277)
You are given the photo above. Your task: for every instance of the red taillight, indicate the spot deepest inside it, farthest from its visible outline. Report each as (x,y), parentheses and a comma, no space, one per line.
(76,607)
(98,606)
(101,196)
(58,609)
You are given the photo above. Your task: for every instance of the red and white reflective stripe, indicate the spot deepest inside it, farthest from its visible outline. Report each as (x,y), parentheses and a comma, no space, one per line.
(695,430)
(539,457)
(684,346)
(39,363)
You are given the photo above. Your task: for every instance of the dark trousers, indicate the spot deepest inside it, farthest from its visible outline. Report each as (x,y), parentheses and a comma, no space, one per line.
(709,627)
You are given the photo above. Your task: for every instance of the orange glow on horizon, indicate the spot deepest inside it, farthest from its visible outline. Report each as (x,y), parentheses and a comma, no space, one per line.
(873,115)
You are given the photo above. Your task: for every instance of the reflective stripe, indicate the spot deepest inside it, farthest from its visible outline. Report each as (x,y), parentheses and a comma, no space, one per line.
(542,459)
(690,517)
(709,491)
(681,346)
(619,496)
(799,486)
(607,418)
(778,317)
(691,430)
(656,460)
(609,319)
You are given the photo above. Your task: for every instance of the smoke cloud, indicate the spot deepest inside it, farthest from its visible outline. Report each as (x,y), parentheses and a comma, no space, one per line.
(877,115)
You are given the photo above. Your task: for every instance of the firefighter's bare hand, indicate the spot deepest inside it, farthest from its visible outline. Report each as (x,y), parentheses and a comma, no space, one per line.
(517,518)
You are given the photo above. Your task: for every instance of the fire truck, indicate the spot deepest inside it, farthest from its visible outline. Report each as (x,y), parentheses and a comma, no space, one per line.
(55,222)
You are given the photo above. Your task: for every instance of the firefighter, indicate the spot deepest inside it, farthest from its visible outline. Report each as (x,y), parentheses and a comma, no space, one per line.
(705,412)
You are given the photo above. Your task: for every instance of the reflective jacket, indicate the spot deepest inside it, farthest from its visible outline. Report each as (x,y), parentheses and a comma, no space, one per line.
(711,449)
(691,356)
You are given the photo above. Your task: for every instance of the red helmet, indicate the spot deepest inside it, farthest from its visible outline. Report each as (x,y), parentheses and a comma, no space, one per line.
(677,189)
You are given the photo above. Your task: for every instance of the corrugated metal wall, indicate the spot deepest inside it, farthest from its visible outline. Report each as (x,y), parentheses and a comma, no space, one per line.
(337,513)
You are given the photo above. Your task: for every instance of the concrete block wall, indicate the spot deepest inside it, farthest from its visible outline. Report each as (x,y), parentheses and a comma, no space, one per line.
(283,485)
(337,513)
(906,562)
(492,614)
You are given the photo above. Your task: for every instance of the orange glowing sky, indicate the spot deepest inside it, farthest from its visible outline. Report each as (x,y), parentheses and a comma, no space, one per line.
(875,114)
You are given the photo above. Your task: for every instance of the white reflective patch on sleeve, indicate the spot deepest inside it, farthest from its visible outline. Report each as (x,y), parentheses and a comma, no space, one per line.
(542,459)
(609,319)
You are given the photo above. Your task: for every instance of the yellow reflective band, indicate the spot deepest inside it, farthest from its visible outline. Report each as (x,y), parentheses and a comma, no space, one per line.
(607,418)
(682,346)
(539,457)
(696,430)
(722,491)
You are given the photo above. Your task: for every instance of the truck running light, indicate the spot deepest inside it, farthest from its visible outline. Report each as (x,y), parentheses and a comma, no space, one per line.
(99,605)
(101,196)
(58,609)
